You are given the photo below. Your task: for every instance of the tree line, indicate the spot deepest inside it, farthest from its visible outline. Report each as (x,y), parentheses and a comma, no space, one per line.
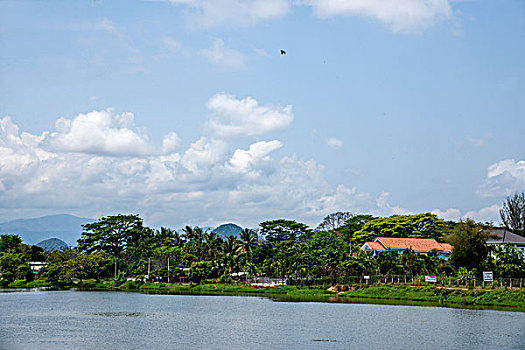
(121,246)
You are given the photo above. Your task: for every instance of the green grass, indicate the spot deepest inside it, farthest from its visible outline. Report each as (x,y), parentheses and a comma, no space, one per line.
(499,297)
(436,295)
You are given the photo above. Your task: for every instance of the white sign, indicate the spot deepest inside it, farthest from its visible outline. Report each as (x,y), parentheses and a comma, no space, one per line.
(488,276)
(431,279)
(367,277)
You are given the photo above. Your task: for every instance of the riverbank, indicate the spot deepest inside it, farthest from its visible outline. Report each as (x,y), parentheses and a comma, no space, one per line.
(438,296)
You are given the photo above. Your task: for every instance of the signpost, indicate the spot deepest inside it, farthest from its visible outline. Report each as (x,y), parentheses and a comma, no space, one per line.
(431,279)
(488,276)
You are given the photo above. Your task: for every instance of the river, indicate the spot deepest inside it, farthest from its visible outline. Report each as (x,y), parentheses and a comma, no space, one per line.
(118,320)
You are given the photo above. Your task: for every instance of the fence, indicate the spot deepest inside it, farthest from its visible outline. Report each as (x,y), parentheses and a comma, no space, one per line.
(414,280)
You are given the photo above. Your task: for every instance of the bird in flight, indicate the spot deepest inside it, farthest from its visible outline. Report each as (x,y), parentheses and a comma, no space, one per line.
(283,52)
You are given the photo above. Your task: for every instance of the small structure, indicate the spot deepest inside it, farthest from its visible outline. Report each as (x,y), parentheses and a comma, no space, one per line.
(417,245)
(500,237)
(37,265)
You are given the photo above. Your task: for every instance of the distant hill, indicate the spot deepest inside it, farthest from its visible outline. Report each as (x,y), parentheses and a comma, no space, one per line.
(226,230)
(53,244)
(66,227)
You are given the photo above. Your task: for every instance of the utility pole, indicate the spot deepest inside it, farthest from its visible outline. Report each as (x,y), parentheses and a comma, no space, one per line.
(115,267)
(149,266)
(168,270)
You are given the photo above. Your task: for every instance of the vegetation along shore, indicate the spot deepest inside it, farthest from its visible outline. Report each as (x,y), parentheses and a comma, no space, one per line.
(417,257)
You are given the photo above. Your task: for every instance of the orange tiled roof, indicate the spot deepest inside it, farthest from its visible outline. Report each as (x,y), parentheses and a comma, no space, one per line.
(375,245)
(416,244)
(447,247)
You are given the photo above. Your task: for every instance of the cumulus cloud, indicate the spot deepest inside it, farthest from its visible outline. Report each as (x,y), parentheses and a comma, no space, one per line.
(503,179)
(209,13)
(403,16)
(220,55)
(232,117)
(253,158)
(334,143)
(203,154)
(208,182)
(101,132)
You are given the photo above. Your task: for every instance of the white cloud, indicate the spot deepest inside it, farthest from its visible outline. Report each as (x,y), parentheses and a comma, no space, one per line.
(404,16)
(99,132)
(209,182)
(449,214)
(218,54)
(171,143)
(245,160)
(503,179)
(488,214)
(204,154)
(232,117)
(334,143)
(385,208)
(209,13)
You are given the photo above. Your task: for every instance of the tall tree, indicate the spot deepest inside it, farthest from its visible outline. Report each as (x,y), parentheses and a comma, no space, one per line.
(112,234)
(352,225)
(469,240)
(248,239)
(513,213)
(333,221)
(284,230)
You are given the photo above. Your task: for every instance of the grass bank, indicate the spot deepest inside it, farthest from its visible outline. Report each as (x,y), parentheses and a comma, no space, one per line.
(438,296)
(476,297)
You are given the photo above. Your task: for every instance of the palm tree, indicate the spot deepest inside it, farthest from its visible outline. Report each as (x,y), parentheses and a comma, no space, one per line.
(230,250)
(248,239)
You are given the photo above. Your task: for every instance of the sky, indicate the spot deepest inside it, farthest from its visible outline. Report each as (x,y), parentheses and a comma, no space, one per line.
(186,113)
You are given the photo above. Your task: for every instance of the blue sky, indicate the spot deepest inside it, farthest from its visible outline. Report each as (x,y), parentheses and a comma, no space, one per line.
(185,112)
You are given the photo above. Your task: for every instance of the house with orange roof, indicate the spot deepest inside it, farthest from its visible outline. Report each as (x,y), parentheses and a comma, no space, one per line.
(417,245)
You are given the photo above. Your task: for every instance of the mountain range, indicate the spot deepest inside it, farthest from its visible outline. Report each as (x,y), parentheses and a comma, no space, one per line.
(66,227)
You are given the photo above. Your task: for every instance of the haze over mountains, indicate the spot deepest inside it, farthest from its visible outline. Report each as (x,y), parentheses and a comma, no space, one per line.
(64,226)
(68,228)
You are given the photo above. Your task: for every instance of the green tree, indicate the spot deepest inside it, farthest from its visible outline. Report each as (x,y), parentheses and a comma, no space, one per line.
(10,242)
(14,266)
(327,250)
(352,225)
(469,240)
(509,261)
(425,225)
(513,213)
(284,231)
(248,240)
(112,234)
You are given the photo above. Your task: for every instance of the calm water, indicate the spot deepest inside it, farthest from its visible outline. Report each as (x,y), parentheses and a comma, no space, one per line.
(114,320)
